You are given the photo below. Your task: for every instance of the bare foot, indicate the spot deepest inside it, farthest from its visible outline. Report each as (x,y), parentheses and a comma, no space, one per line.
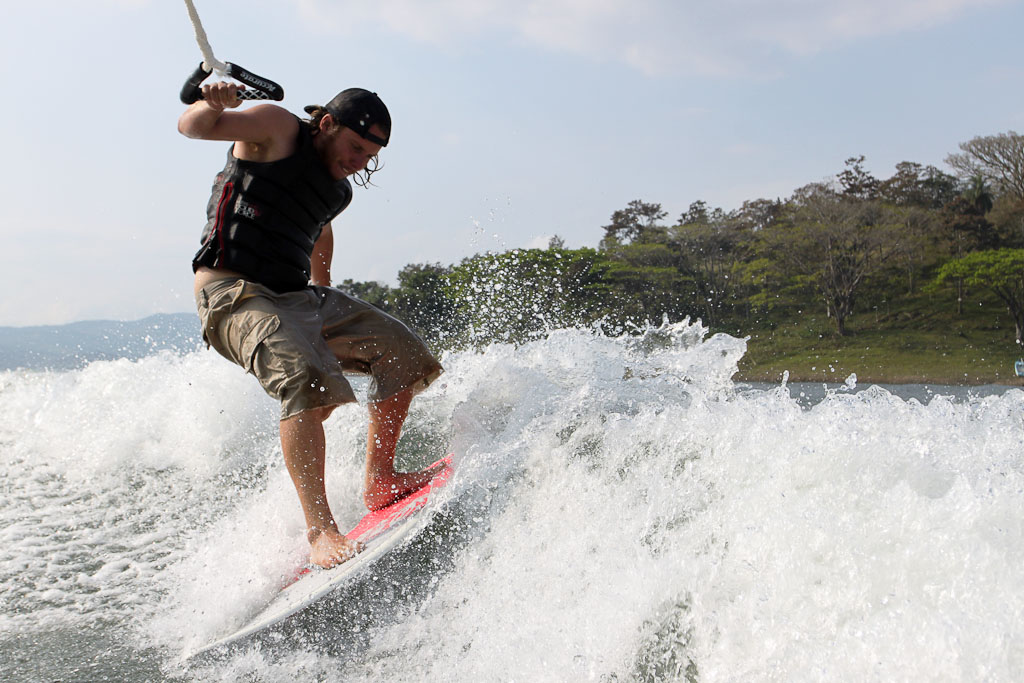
(384,488)
(331,548)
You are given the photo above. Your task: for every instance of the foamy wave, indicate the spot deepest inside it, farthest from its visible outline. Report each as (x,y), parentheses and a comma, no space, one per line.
(620,510)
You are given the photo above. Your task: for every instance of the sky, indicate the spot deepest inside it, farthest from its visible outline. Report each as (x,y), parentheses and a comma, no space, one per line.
(513,121)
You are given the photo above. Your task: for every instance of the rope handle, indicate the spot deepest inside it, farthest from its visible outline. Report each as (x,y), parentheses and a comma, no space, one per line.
(259,88)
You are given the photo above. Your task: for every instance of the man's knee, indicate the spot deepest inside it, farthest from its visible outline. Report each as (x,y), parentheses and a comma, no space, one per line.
(321,414)
(312,415)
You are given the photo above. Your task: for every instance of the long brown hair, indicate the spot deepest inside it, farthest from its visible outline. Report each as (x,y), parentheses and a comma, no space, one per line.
(361,178)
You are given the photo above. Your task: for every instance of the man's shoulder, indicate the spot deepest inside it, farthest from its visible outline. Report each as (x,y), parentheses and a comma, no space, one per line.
(276,119)
(277,134)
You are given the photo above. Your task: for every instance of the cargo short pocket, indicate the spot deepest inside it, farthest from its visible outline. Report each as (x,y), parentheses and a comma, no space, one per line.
(255,334)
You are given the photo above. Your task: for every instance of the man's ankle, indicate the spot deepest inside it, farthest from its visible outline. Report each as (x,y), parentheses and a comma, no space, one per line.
(314,532)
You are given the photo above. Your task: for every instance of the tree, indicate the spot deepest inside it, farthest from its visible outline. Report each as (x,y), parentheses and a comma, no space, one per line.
(710,253)
(979,194)
(759,213)
(998,159)
(834,244)
(856,182)
(516,295)
(999,270)
(638,222)
(421,301)
(918,228)
(1007,215)
(648,282)
(698,214)
(920,186)
(963,229)
(374,293)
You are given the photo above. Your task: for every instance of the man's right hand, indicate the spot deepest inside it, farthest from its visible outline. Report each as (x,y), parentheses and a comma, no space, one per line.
(222,95)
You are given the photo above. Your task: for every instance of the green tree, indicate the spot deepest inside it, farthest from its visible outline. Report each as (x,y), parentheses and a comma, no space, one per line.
(422,301)
(1007,216)
(915,251)
(979,194)
(375,293)
(998,270)
(517,295)
(757,214)
(963,228)
(856,182)
(834,244)
(710,247)
(638,222)
(700,214)
(767,285)
(646,283)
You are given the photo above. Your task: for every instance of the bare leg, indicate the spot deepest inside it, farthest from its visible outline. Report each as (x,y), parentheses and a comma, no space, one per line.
(383,484)
(302,440)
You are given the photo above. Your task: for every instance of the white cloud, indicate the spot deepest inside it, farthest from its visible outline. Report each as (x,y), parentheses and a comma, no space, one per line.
(539,242)
(707,37)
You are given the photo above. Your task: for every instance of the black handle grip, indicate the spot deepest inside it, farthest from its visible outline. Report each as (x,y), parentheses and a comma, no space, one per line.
(267,89)
(190,92)
(259,88)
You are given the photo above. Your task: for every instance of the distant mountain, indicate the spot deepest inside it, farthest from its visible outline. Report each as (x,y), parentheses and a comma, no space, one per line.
(64,347)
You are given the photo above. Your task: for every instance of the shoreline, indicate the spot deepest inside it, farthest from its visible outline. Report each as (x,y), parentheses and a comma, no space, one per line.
(772,377)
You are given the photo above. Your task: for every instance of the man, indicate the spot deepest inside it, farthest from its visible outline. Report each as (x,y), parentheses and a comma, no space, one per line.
(262,287)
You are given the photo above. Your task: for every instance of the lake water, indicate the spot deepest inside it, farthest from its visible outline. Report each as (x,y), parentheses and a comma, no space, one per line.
(621,511)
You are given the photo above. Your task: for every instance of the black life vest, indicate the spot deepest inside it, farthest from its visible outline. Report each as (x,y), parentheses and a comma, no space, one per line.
(264,218)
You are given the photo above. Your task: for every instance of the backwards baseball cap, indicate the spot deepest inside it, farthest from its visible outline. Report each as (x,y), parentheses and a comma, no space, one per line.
(360,110)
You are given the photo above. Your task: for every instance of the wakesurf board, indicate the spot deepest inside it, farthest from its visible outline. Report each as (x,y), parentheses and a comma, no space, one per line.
(380,532)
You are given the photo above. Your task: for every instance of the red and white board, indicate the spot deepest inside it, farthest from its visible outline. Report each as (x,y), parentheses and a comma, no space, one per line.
(380,531)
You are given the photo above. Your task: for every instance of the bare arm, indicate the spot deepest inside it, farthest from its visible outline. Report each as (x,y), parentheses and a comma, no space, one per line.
(262,133)
(323,254)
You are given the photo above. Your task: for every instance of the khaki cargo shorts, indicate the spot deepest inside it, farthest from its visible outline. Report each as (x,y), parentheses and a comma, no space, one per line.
(299,345)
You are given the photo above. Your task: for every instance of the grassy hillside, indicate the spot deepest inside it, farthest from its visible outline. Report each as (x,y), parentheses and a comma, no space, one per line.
(925,342)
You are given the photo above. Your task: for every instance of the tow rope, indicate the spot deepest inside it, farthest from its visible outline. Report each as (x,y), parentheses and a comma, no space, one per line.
(259,88)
